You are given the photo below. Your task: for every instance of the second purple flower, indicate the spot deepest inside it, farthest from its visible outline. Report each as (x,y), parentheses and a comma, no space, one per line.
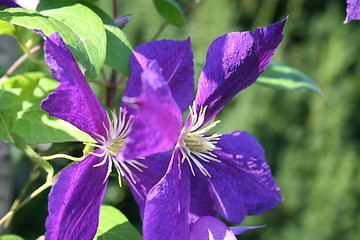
(207,174)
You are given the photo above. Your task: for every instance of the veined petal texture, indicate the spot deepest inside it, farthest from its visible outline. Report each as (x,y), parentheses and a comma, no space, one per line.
(157,118)
(233,62)
(167,205)
(75,199)
(156,166)
(241,184)
(210,228)
(175,60)
(73,101)
(352,10)
(201,203)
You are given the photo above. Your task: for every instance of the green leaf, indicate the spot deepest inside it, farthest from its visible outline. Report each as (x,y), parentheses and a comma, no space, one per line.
(171,11)
(284,77)
(115,226)
(20,98)
(81,29)
(7,28)
(10,237)
(118,48)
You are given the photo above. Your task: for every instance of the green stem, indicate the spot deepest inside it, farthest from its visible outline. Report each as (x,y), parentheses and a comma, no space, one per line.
(17,206)
(19,62)
(25,48)
(161,29)
(31,41)
(8,217)
(29,152)
(31,57)
(60,155)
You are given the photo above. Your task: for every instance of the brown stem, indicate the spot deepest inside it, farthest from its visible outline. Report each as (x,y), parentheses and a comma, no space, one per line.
(111,89)
(19,62)
(115,8)
(161,29)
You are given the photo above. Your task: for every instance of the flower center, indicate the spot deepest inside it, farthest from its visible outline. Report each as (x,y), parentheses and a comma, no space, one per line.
(113,142)
(194,145)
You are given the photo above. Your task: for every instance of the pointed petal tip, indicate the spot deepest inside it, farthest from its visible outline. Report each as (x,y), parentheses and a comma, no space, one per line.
(175,60)
(209,227)
(241,229)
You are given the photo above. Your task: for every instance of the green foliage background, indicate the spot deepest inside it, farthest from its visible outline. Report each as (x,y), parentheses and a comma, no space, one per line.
(312,145)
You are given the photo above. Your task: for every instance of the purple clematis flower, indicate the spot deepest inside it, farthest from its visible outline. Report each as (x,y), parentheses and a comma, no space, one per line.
(207,173)
(211,228)
(29,4)
(146,125)
(352,10)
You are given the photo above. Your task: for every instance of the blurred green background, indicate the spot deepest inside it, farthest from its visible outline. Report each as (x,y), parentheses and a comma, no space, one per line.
(311,145)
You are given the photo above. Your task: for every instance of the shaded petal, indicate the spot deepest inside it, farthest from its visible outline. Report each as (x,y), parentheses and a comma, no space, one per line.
(242,183)
(241,229)
(123,20)
(233,62)
(157,118)
(352,10)
(175,59)
(167,204)
(211,228)
(201,203)
(73,101)
(9,3)
(145,180)
(75,199)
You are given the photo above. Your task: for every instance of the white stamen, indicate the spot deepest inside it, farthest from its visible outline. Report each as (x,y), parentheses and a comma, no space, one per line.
(194,145)
(112,143)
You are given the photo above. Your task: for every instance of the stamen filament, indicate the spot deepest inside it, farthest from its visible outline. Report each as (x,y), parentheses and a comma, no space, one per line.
(194,145)
(113,142)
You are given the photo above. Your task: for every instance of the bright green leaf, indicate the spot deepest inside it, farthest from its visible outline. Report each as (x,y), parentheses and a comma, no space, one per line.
(81,29)
(284,77)
(115,226)
(7,28)
(20,98)
(10,237)
(171,11)
(118,48)
(86,25)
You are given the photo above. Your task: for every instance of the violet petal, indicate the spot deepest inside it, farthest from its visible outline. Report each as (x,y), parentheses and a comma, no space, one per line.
(242,183)
(29,4)
(167,204)
(175,59)
(73,101)
(233,62)
(352,10)
(157,118)
(9,3)
(241,229)
(211,228)
(201,203)
(145,180)
(75,199)
(123,20)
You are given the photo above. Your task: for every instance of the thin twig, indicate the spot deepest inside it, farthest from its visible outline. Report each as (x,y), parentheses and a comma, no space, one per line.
(31,57)
(18,62)
(111,90)
(161,29)
(33,175)
(14,209)
(115,8)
